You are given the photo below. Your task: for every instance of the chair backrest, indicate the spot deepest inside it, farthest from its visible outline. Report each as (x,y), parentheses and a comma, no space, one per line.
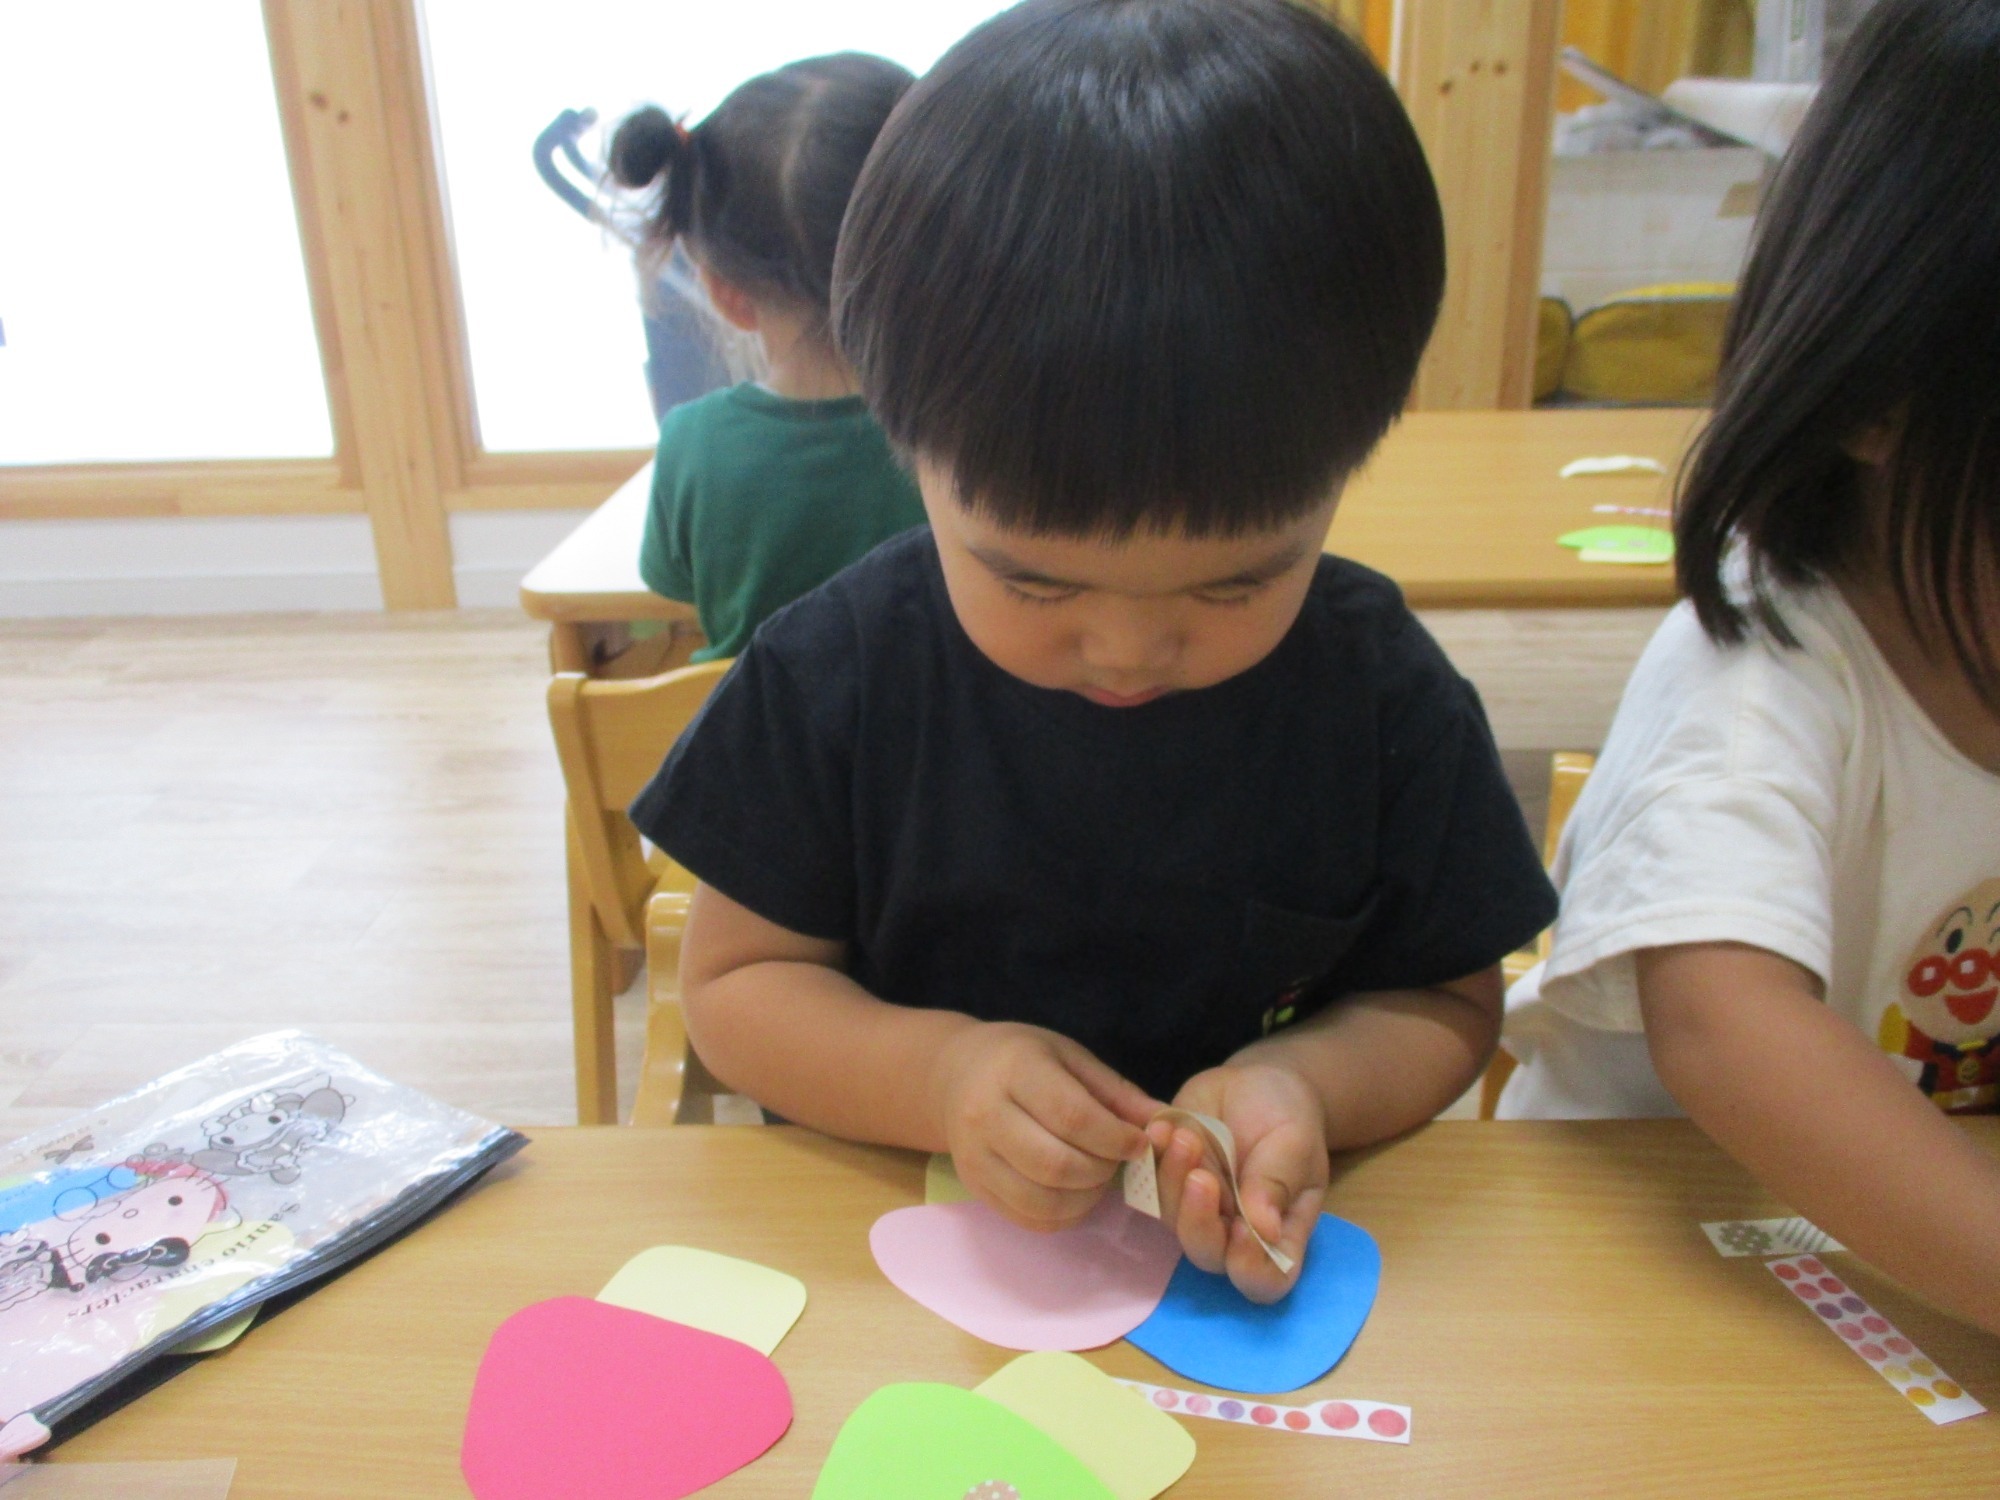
(1568,771)
(611,737)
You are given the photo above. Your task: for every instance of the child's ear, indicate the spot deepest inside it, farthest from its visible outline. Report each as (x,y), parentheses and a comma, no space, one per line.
(730,300)
(1875,444)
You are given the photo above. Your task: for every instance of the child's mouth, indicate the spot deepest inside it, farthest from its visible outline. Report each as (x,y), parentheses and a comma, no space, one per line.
(1106,699)
(1972,1009)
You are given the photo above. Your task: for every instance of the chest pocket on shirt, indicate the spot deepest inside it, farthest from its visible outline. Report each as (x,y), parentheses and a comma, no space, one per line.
(1286,953)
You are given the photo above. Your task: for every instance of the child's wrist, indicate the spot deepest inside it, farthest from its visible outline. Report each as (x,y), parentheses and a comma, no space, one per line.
(940,1067)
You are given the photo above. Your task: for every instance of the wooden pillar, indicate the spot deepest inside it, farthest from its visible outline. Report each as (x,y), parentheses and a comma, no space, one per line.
(1370,21)
(1478,78)
(350,89)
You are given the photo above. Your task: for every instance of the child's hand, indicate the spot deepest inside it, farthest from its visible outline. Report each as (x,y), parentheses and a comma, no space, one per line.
(1037,1126)
(1280,1132)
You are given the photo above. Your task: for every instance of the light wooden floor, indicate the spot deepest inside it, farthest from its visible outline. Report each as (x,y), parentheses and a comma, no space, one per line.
(351,823)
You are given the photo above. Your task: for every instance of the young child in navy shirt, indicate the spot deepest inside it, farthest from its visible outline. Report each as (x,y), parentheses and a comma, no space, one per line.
(1111,789)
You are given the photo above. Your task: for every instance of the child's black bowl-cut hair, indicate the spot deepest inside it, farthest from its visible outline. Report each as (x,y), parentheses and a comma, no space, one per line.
(1143,265)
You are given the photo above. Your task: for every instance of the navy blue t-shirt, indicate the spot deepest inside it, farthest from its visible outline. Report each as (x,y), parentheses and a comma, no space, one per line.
(1163,883)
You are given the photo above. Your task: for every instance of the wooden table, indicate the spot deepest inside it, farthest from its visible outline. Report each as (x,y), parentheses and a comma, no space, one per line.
(589,588)
(1461,508)
(1549,1309)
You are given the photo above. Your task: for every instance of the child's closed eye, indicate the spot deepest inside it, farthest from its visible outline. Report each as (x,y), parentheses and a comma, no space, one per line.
(1038,593)
(1229,596)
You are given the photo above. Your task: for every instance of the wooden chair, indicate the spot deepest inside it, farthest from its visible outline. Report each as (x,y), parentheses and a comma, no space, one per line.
(1568,770)
(611,737)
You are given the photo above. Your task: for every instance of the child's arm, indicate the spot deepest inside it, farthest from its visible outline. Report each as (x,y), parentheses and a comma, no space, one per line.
(1036,1125)
(1366,1067)
(1798,1095)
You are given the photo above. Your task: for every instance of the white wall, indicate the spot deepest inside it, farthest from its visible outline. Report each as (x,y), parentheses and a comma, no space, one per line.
(238,564)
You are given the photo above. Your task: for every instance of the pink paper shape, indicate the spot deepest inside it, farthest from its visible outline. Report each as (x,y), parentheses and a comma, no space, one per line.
(1079,1288)
(577,1397)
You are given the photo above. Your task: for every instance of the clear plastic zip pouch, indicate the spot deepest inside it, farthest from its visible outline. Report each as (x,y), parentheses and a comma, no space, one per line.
(140,1226)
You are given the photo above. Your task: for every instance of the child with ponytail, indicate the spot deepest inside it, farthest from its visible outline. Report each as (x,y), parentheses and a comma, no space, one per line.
(765,490)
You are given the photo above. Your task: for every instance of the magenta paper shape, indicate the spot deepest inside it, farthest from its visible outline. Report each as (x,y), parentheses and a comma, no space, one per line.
(577,1397)
(1079,1288)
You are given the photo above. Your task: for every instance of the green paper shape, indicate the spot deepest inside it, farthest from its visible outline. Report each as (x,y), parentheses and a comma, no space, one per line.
(920,1441)
(1625,544)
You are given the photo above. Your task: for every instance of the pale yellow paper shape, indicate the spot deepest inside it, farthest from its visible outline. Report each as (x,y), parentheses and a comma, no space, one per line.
(1135,1449)
(719,1294)
(1222,1146)
(941,1184)
(218,1264)
(221,1337)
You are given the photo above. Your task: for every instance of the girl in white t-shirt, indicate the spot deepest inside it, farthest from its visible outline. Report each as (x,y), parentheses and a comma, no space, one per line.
(1781,886)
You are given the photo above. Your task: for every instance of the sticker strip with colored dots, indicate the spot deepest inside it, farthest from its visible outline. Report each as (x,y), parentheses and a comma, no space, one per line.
(1876,1340)
(1374,1420)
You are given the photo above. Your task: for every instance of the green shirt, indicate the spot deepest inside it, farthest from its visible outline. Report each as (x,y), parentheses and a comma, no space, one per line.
(758,499)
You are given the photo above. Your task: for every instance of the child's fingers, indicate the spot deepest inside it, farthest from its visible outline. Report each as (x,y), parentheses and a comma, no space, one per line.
(1180,1152)
(1060,1099)
(1251,1268)
(1199,1224)
(1045,1159)
(1301,1220)
(1117,1093)
(1267,1204)
(1055,1133)
(1026,1202)
(1279,1168)
(1040,1208)
(1253,1273)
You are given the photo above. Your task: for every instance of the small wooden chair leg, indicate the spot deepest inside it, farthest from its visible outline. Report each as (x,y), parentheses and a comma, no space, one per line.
(591,963)
(1495,1082)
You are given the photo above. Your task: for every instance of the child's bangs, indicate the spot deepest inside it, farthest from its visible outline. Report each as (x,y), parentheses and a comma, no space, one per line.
(1146,266)
(1122,418)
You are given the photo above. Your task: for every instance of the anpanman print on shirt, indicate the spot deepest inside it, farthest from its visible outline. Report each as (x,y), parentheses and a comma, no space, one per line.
(1946,1019)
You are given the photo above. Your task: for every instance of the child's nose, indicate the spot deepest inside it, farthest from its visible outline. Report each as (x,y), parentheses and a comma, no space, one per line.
(1131,638)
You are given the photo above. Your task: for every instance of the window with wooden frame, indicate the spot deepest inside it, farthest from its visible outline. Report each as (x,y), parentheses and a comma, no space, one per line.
(412,417)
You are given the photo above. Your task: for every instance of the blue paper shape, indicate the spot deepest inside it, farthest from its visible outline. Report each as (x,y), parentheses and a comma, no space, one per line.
(1208,1331)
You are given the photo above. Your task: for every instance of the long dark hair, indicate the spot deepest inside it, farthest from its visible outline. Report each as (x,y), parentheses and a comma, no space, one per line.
(1143,264)
(1871,301)
(757,190)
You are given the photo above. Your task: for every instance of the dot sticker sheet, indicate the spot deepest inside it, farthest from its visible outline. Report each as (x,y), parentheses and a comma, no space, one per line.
(1770,1237)
(1375,1421)
(1875,1339)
